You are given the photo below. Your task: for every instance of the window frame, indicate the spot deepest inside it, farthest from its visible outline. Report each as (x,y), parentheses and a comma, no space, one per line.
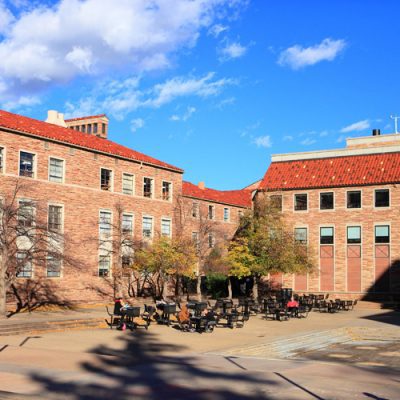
(211,240)
(296,228)
(151,187)
(62,171)
(128,232)
(47,268)
(169,191)
(34,164)
(2,159)
(295,202)
(61,206)
(107,271)
(382,190)
(133,183)
(227,217)
(151,218)
(111,183)
(24,270)
(195,209)
(211,216)
(272,199)
(347,199)
(163,219)
(20,218)
(333,201)
(105,232)
(380,225)
(320,235)
(352,241)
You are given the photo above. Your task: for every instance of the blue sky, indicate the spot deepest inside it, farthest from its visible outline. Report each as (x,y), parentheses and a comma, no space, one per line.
(212,86)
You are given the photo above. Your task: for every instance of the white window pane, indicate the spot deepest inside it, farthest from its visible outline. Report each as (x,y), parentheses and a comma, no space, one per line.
(354,232)
(326,231)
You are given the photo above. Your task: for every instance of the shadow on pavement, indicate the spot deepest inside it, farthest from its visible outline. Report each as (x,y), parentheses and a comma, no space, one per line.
(142,369)
(390,317)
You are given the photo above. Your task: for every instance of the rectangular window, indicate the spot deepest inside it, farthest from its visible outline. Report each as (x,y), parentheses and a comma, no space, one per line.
(105,223)
(211,240)
(353,234)
(326,235)
(195,240)
(382,198)
(211,212)
(24,265)
(127,224)
(103,129)
(195,210)
(53,267)
(26,214)
(104,265)
(166,227)
(83,128)
(276,201)
(166,190)
(147,227)
(1,160)
(127,184)
(148,187)
(26,164)
(300,235)
(382,234)
(354,199)
(326,201)
(56,170)
(89,128)
(105,179)
(226,214)
(300,202)
(95,128)
(55,218)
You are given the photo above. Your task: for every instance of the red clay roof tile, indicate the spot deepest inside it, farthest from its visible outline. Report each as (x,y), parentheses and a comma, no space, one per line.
(240,198)
(357,170)
(89,117)
(72,137)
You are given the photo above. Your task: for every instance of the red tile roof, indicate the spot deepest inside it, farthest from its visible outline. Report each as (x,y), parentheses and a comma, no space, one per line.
(240,198)
(89,117)
(68,136)
(356,170)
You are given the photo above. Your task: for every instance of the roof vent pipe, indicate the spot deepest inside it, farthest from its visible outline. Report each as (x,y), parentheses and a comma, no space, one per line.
(376,132)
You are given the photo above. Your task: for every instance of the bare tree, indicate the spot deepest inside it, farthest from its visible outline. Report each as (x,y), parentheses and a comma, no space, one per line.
(29,236)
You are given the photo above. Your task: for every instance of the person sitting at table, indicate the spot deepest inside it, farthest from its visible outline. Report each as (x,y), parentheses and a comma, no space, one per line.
(293,307)
(184,318)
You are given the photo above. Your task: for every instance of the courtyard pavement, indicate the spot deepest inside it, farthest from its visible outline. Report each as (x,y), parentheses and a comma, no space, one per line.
(263,360)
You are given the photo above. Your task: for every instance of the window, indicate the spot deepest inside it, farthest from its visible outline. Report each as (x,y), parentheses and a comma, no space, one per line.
(56,170)
(1,160)
(195,240)
(354,199)
(166,190)
(326,235)
(83,128)
(240,214)
(326,201)
(382,198)
(126,261)
(226,214)
(353,234)
(89,128)
(276,201)
(105,223)
(195,210)
(166,227)
(300,235)
(95,128)
(127,224)
(103,129)
(55,218)
(105,179)
(104,265)
(211,212)
(148,187)
(382,234)
(53,267)
(300,202)
(147,227)
(26,164)
(24,265)
(211,240)
(127,184)
(26,214)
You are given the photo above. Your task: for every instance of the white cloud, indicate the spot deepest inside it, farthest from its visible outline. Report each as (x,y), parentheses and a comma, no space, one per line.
(136,124)
(263,141)
(308,142)
(357,126)
(189,112)
(226,102)
(21,102)
(323,133)
(232,50)
(217,29)
(125,35)
(341,139)
(297,57)
(287,138)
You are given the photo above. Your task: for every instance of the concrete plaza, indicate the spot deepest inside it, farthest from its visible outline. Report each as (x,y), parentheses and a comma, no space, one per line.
(349,355)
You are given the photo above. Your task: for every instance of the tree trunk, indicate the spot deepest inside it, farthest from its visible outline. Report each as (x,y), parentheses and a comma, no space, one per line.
(3,295)
(198,287)
(255,287)
(229,288)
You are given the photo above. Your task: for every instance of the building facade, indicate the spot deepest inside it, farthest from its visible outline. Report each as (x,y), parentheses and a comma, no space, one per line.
(345,205)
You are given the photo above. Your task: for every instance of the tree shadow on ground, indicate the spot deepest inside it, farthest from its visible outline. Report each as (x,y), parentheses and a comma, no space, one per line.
(146,368)
(390,317)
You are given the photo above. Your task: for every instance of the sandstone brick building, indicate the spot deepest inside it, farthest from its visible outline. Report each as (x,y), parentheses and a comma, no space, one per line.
(346,205)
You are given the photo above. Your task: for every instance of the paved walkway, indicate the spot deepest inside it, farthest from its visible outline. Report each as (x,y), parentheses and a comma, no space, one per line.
(164,363)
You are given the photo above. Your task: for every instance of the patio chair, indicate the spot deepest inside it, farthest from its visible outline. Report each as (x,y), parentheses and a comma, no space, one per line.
(302,311)
(115,319)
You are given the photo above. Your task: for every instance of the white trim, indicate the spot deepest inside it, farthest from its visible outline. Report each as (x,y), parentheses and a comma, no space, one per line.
(152,187)
(390,199)
(170,226)
(63,169)
(111,180)
(133,183)
(294,202)
(35,164)
(133,221)
(229,215)
(334,201)
(361,199)
(152,226)
(171,190)
(4,159)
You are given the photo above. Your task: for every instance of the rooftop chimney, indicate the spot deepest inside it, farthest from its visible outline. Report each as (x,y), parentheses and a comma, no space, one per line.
(201,185)
(56,118)
(376,132)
